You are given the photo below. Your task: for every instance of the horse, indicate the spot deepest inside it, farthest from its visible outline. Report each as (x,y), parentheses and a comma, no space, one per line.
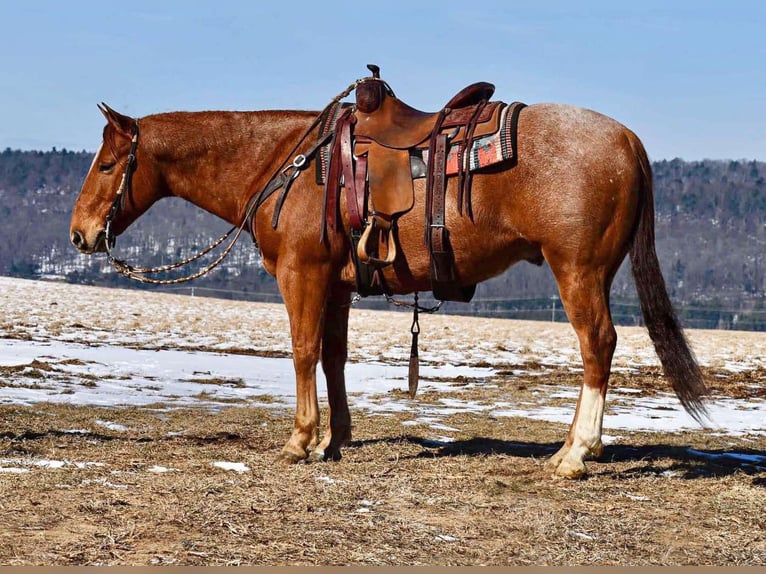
(579,196)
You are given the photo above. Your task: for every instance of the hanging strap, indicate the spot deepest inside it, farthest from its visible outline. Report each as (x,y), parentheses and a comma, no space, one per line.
(414,367)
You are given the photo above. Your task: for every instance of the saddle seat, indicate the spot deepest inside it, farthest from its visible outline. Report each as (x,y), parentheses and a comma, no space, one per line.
(385,119)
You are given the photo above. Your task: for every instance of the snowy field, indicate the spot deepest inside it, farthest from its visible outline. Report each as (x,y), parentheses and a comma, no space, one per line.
(91,346)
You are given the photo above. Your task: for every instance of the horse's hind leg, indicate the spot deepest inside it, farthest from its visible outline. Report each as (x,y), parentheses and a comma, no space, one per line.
(585,295)
(334,354)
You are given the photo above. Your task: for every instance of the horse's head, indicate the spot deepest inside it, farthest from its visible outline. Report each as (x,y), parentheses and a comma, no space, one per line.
(99,191)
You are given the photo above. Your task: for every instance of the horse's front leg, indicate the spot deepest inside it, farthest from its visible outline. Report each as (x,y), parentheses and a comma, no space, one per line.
(334,354)
(304,290)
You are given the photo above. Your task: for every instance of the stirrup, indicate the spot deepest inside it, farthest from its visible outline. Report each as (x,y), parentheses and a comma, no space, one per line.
(382,228)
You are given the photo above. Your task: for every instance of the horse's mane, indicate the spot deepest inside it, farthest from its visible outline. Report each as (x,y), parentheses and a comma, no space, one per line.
(185,134)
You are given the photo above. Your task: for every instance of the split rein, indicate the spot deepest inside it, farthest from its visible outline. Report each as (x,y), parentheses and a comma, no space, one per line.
(283,177)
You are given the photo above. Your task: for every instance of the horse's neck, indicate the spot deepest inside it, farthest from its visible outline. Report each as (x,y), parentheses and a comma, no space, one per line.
(218,160)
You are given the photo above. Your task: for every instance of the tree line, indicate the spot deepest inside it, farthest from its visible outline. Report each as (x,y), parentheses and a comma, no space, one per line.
(710,228)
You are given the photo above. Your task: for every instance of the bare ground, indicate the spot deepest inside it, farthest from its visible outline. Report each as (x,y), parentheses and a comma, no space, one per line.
(397,497)
(146,492)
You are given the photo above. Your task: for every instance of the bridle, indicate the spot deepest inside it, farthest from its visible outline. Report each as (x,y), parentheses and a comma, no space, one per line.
(140,273)
(283,177)
(122,192)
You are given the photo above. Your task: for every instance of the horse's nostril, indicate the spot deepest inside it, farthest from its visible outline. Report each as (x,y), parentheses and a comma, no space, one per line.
(77,239)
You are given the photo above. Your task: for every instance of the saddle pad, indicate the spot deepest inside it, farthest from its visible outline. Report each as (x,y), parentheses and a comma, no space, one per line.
(491,149)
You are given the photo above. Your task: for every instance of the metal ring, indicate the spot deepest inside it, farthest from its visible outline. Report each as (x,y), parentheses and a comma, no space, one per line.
(299,161)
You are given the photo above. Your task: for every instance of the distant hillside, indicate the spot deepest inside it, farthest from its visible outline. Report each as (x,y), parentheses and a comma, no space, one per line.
(711,240)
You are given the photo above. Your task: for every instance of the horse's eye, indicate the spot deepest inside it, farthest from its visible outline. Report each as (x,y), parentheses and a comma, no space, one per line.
(106,167)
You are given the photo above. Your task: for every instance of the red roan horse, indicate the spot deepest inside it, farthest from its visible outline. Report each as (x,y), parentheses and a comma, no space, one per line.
(580,197)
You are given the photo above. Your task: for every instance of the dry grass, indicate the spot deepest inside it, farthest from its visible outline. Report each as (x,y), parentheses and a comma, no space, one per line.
(396,498)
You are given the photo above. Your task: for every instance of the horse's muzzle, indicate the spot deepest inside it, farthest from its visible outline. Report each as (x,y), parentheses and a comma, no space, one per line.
(79,241)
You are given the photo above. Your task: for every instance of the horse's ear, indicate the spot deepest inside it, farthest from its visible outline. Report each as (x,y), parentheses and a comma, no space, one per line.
(122,123)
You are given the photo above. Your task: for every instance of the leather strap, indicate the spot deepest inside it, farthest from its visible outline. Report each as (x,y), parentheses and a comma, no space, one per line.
(464,162)
(356,201)
(351,180)
(281,201)
(444,281)
(438,193)
(330,207)
(430,172)
(442,262)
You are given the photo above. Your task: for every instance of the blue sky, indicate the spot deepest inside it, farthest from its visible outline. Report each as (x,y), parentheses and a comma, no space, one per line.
(687,77)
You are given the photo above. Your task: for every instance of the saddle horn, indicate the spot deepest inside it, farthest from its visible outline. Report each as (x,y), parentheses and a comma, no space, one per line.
(370,93)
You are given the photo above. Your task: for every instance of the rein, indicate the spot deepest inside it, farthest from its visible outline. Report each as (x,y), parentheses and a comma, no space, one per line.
(283,177)
(139,273)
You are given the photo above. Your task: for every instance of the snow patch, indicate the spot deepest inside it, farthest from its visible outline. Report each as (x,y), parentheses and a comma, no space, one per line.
(112,426)
(160,469)
(233,466)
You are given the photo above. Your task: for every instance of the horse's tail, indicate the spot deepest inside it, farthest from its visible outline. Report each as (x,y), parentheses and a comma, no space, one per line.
(678,361)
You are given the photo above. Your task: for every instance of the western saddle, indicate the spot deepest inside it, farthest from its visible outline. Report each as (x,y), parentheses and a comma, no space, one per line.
(380,146)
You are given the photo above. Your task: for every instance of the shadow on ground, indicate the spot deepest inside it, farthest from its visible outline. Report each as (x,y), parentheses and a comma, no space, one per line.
(685,462)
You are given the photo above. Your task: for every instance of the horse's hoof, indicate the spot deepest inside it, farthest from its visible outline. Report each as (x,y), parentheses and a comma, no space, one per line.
(319,455)
(596,452)
(552,464)
(316,455)
(287,457)
(332,454)
(571,469)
